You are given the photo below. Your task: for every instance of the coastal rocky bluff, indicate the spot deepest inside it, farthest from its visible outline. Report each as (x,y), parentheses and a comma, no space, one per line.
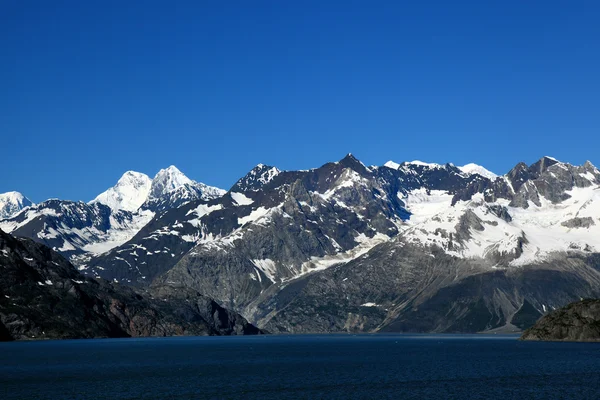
(42,296)
(576,322)
(345,247)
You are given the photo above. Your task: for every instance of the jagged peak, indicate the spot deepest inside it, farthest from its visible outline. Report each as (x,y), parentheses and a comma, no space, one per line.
(350,161)
(171,168)
(11,203)
(172,173)
(588,165)
(258,176)
(262,167)
(550,158)
(542,165)
(521,166)
(166,180)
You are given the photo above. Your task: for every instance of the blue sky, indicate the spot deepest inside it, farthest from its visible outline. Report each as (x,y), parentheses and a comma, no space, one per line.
(92,89)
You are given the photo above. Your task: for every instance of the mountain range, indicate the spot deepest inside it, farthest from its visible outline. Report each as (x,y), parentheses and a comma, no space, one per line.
(405,247)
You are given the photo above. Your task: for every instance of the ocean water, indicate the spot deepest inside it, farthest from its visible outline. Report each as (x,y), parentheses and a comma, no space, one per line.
(301,367)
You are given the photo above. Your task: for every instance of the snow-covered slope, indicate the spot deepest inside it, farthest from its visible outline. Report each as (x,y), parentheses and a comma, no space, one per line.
(74,228)
(170,188)
(130,192)
(11,203)
(166,180)
(478,169)
(114,217)
(259,176)
(557,211)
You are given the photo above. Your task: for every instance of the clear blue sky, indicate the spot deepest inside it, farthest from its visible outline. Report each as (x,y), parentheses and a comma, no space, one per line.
(90,89)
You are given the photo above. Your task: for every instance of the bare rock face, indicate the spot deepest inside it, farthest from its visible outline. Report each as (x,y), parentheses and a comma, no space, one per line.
(410,247)
(579,222)
(576,322)
(44,297)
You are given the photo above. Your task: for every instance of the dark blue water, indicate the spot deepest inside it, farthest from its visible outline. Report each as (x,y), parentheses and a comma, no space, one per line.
(301,367)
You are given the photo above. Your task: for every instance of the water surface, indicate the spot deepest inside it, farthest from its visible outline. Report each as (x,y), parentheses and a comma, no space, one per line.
(301,367)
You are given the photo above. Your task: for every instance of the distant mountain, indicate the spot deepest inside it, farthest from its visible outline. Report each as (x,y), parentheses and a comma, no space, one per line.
(170,188)
(78,230)
(75,228)
(407,246)
(11,203)
(478,169)
(130,192)
(44,297)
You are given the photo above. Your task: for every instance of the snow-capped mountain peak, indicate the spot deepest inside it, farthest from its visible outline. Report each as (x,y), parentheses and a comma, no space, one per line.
(12,203)
(256,178)
(166,180)
(471,169)
(392,165)
(130,192)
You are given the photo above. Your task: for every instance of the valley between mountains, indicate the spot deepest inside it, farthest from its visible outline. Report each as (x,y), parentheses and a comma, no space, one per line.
(345,247)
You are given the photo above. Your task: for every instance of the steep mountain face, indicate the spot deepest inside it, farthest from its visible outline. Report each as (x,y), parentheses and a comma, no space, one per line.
(405,288)
(43,296)
(11,203)
(170,188)
(273,227)
(256,178)
(79,230)
(498,260)
(407,246)
(75,228)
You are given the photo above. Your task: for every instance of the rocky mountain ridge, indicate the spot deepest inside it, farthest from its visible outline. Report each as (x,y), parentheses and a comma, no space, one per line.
(405,247)
(79,230)
(44,297)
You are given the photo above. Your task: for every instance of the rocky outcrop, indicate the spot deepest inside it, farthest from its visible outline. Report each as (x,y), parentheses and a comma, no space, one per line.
(576,322)
(42,296)
(579,222)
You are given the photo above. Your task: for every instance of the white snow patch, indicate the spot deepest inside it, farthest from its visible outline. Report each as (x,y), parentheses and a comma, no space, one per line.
(201,211)
(241,199)
(434,218)
(471,169)
(392,165)
(320,263)
(255,215)
(267,266)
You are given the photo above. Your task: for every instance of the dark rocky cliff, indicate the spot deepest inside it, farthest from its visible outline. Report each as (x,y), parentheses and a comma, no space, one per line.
(576,322)
(42,296)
